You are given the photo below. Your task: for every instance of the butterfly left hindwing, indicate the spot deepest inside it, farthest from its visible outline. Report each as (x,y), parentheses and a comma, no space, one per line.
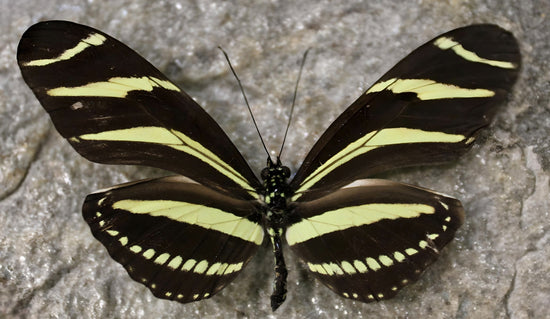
(182,240)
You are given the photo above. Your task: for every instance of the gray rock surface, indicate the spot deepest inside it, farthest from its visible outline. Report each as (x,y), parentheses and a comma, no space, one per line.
(497,267)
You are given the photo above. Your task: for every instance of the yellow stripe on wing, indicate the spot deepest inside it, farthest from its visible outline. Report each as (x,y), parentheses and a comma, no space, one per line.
(445,43)
(195,214)
(94,39)
(118,87)
(426,89)
(374,140)
(174,139)
(347,217)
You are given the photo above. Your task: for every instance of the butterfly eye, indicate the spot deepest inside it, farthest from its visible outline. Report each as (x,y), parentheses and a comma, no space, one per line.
(286,171)
(264,174)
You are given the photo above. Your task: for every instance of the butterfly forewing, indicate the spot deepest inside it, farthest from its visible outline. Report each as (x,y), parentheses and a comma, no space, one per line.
(369,240)
(425,110)
(114,107)
(182,240)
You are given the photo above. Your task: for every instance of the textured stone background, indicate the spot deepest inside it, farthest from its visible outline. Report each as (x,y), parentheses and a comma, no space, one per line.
(51,266)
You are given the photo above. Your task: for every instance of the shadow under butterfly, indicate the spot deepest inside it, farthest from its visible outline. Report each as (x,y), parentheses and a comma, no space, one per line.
(186,237)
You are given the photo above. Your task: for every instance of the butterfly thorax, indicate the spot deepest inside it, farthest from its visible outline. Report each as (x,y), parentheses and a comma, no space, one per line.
(276,188)
(276,192)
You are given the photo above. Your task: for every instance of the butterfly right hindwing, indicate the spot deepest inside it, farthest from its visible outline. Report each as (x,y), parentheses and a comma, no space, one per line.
(370,239)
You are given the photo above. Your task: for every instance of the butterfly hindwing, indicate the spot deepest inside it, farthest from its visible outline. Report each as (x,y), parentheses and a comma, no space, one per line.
(114,107)
(425,110)
(182,240)
(368,240)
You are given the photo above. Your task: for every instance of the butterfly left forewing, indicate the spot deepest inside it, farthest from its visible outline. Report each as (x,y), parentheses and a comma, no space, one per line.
(114,107)
(368,240)
(182,240)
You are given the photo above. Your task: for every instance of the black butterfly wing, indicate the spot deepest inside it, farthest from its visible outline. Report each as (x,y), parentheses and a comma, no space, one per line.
(427,109)
(368,240)
(183,238)
(184,241)
(114,107)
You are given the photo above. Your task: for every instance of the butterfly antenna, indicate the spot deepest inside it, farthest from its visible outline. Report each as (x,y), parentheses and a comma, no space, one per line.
(245,100)
(293,100)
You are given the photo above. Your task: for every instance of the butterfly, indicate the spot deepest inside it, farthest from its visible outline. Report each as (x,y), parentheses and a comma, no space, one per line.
(187,236)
